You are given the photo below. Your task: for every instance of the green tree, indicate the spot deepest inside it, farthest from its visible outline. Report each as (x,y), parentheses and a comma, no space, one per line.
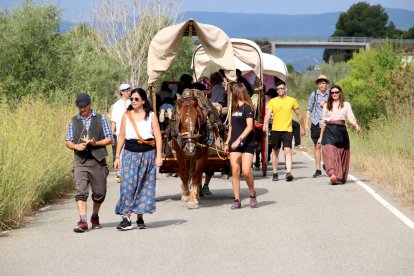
(30,57)
(369,71)
(361,20)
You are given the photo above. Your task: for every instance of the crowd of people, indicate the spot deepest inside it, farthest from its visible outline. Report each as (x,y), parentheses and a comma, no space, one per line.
(134,132)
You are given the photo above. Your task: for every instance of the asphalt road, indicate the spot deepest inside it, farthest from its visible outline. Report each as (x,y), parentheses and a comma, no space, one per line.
(304,227)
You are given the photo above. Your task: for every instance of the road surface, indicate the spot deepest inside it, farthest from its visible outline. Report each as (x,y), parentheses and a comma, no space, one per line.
(304,227)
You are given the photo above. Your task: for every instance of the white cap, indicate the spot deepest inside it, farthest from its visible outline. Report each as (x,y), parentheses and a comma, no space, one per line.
(124,86)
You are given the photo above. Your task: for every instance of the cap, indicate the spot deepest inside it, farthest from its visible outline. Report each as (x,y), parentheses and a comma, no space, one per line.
(124,86)
(322,77)
(83,99)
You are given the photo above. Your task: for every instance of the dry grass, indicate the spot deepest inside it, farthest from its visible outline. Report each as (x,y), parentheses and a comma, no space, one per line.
(34,162)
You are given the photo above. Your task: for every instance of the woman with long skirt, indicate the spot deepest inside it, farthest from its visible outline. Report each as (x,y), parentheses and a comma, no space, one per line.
(334,135)
(141,135)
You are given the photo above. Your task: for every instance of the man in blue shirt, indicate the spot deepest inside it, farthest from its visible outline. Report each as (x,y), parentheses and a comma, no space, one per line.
(314,112)
(88,135)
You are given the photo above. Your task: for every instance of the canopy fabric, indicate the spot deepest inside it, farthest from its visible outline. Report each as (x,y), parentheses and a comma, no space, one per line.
(246,53)
(165,44)
(274,66)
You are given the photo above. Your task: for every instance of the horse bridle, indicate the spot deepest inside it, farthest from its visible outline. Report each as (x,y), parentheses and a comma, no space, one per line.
(188,141)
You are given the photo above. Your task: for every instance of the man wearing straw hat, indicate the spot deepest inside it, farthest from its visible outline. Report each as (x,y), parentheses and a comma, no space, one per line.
(314,112)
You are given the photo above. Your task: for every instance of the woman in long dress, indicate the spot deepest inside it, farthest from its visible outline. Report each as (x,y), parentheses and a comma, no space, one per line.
(334,135)
(140,157)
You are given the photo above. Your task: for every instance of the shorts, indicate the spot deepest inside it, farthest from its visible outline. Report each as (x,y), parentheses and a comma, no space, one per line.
(248,149)
(281,136)
(315,133)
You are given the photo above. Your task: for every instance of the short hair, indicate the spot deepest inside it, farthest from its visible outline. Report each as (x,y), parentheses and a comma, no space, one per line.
(279,83)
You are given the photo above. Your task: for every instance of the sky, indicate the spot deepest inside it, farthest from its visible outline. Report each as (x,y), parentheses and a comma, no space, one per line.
(79,10)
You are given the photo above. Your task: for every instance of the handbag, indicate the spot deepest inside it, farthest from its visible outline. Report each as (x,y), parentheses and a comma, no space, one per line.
(140,140)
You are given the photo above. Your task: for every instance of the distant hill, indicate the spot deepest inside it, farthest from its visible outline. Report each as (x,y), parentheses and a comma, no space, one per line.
(243,25)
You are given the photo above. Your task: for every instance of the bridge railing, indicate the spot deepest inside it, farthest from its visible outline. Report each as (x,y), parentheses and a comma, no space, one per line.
(338,39)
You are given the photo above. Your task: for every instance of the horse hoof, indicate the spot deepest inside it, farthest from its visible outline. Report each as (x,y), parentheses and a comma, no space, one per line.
(192,205)
(185,198)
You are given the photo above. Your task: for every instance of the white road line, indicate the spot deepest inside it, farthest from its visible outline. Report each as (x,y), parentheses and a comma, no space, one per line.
(380,199)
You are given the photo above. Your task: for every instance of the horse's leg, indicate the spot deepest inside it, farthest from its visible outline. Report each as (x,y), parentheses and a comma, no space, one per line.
(185,190)
(196,180)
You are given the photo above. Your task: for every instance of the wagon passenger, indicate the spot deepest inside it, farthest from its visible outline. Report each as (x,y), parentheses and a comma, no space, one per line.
(240,143)
(141,135)
(334,136)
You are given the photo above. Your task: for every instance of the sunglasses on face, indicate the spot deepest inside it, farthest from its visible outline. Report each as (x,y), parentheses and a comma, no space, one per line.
(335,92)
(135,99)
(280,88)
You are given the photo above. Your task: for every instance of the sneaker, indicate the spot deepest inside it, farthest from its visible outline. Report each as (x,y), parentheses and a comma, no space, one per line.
(275,177)
(236,204)
(289,177)
(317,173)
(141,224)
(95,222)
(333,179)
(253,200)
(206,190)
(162,115)
(169,113)
(125,224)
(118,179)
(81,227)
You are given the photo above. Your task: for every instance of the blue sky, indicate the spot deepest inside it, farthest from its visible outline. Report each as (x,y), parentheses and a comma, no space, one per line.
(75,10)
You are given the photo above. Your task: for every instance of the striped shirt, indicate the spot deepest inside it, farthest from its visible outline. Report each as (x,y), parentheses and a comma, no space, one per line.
(314,105)
(87,122)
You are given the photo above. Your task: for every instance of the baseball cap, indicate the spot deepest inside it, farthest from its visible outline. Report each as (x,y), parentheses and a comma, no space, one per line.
(124,86)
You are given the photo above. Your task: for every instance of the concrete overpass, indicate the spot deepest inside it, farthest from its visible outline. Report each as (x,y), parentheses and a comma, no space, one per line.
(327,42)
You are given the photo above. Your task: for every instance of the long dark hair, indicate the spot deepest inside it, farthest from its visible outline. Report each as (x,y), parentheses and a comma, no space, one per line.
(147,107)
(329,104)
(240,93)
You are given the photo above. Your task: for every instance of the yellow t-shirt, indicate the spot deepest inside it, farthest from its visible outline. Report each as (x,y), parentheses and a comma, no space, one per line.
(282,112)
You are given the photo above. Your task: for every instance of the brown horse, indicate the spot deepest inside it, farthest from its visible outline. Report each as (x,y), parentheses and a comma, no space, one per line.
(189,145)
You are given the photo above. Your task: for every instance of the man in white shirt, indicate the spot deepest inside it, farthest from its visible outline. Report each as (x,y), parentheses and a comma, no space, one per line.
(118,109)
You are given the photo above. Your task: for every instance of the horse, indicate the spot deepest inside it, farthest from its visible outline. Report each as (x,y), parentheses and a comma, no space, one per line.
(189,143)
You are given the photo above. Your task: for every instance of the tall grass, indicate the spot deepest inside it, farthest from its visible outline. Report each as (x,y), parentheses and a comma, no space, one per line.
(385,154)
(35,165)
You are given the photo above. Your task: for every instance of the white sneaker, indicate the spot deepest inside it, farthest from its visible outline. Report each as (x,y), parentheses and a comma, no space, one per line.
(162,113)
(169,113)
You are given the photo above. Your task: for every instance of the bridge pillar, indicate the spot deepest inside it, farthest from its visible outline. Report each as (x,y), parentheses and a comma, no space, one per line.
(367,46)
(273,48)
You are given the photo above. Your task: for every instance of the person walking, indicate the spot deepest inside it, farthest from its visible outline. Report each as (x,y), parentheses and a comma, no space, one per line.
(314,113)
(88,135)
(141,135)
(282,108)
(240,143)
(118,109)
(334,135)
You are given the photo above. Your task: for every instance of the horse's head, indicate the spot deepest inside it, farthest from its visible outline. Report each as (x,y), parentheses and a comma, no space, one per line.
(190,123)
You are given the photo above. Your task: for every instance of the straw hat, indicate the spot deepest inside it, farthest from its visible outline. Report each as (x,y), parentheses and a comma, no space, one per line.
(322,77)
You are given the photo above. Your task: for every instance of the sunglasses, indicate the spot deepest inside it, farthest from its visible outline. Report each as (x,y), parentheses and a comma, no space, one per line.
(135,99)
(335,92)
(280,88)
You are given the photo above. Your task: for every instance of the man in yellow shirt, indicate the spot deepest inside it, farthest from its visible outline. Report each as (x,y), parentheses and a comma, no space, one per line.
(282,109)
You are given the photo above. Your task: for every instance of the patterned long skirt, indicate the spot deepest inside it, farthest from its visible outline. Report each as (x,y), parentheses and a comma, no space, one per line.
(336,161)
(137,187)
